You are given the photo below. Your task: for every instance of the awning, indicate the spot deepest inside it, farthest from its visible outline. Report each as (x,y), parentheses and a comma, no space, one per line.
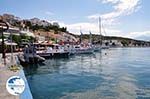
(8,43)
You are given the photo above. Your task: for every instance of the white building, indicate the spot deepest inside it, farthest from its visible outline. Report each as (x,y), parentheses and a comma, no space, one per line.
(16,31)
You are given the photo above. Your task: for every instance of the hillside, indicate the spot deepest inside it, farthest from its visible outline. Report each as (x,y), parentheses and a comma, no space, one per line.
(53,31)
(32,24)
(124,41)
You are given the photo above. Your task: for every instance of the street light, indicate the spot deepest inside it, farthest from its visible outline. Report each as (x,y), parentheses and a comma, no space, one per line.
(3,27)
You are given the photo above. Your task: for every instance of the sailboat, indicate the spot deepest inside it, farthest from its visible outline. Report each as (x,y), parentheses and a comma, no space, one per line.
(98,47)
(82,48)
(104,46)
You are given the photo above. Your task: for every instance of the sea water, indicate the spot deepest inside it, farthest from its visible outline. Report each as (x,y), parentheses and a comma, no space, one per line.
(116,73)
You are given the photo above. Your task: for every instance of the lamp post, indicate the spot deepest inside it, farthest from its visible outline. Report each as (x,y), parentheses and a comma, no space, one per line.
(3,27)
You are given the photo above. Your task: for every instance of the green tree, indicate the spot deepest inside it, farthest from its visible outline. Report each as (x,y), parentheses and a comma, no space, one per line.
(16,38)
(63,29)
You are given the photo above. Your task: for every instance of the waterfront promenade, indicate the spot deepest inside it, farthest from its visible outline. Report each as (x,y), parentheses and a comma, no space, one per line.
(5,73)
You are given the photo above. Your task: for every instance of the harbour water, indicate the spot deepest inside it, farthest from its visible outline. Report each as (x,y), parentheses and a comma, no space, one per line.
(117,73)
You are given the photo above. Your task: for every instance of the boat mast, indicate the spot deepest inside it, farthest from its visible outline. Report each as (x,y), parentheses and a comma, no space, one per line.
(100,37)
(104,32)
(80,35)
(90,37)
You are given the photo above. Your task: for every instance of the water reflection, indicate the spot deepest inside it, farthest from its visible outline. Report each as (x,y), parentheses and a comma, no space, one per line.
(111,74)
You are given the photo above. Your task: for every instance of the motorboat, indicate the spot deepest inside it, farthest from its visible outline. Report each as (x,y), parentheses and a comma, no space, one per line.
(54,51)
(79,49)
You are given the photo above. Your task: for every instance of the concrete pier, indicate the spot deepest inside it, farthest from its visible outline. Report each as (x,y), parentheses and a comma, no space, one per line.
(5,73)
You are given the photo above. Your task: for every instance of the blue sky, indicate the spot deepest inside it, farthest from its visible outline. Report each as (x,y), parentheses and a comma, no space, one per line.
(127,18)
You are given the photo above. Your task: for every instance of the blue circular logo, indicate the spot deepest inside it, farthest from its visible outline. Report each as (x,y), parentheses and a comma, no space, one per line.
(15,85)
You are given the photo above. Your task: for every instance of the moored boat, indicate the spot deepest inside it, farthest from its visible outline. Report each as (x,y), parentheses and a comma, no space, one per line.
(78,49)
(30,56)
(105,47)
(96,48)
(54,51)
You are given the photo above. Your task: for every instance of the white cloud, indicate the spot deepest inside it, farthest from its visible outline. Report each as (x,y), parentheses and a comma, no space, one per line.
(49,13)
(145,35)
(121,8)
(127,6)
(86,27)
(109,20)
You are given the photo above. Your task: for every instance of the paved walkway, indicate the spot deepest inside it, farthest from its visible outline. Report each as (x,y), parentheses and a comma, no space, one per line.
(5,73)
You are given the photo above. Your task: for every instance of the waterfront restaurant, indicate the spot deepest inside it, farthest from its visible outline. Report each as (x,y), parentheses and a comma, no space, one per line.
(9,46)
